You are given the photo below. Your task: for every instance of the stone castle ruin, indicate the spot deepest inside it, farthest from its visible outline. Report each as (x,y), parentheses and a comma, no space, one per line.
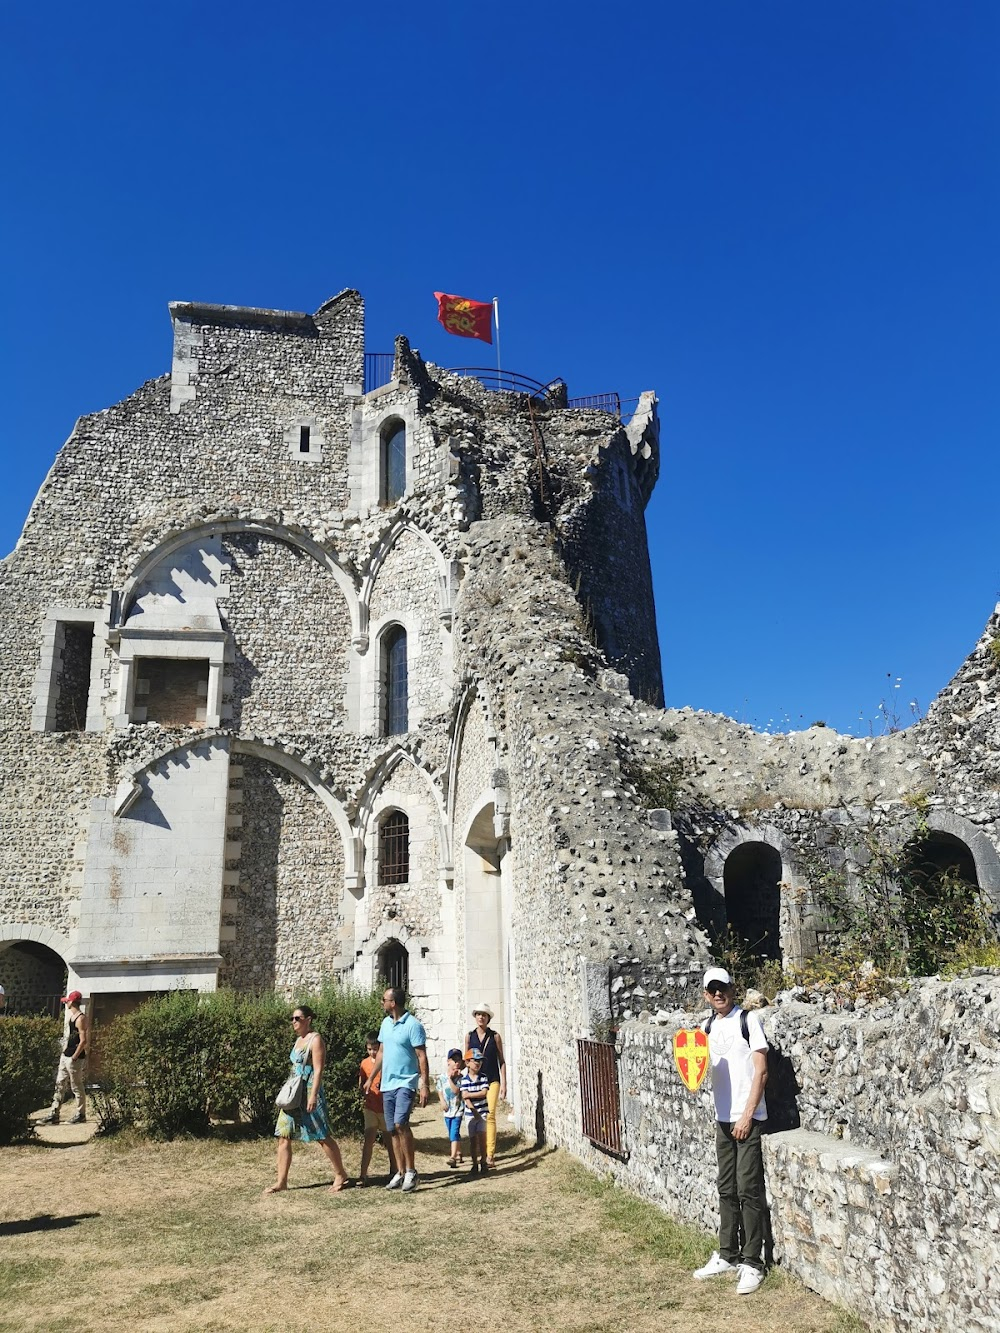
(320,664)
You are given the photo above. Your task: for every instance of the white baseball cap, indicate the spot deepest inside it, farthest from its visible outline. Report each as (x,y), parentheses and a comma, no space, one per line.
(717,974)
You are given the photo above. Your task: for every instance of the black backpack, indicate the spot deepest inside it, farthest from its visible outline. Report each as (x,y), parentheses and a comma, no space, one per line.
(744,1025)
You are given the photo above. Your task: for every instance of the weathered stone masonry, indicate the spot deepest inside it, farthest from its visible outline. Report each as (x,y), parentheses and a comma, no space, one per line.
(195,770)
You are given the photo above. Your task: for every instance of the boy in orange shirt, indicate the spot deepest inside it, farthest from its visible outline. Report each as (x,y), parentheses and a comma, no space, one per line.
(374,1117)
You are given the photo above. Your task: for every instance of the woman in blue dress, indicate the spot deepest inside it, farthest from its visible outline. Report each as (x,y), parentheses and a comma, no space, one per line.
(309,1124)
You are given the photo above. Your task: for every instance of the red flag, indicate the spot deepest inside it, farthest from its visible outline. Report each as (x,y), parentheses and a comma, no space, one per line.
(469,319)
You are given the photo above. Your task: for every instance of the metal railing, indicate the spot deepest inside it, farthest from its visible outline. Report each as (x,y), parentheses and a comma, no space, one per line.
(600,1106)
(602,402)
(505,381)
(30,1004)
(378,369)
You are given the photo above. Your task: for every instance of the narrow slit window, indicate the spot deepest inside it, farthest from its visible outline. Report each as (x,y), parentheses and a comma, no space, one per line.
(73,678)
(303,439)
(393,462)
(395,682)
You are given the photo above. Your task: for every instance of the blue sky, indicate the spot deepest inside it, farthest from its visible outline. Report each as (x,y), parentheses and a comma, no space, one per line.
(783,217)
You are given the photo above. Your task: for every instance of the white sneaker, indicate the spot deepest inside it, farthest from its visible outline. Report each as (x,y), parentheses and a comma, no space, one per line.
(409,1182)
(715,1267)
(396,1181)
(750,1280)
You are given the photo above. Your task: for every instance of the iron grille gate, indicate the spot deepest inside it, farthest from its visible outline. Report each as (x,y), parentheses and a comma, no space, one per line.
(600,1106)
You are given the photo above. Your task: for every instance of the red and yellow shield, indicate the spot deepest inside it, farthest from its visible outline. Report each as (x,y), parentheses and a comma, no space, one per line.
(691,1056)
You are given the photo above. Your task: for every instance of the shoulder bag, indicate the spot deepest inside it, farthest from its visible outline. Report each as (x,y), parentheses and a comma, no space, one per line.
(292,1093)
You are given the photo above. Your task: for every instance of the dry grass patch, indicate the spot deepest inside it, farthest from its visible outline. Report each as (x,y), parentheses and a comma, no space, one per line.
(176,1236)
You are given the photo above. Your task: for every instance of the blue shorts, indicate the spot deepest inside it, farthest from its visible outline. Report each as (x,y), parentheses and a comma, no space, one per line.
(397,1105)
(453,1124)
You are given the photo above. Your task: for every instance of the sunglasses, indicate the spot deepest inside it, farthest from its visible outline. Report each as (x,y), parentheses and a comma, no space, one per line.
(716,989)
(298,1018)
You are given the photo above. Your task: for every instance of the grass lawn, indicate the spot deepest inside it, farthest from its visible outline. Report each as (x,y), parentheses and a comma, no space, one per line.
(105,1235)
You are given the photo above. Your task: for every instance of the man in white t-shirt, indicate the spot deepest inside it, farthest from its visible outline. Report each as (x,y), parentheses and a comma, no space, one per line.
(737,1050)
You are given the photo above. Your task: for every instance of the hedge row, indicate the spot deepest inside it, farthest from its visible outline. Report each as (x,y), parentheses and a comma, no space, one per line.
(180,1061)
(29,1056)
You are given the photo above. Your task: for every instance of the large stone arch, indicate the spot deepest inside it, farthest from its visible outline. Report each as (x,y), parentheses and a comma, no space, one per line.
(258,617)
(288,910)
(176,541)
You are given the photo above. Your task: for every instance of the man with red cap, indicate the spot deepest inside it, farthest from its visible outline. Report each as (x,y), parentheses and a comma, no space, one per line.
(72,1062)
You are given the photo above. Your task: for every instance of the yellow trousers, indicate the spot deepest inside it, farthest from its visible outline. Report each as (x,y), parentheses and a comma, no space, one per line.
(492,1097)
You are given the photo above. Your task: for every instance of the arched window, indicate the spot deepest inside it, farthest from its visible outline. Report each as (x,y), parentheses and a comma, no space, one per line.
(392,469)
(395,682)
(394,849)
(394,965)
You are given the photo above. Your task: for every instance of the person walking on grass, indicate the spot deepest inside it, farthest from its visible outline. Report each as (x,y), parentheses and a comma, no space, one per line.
(737,1050)
(484,1039)
(374,1116)
(72,1071)
(475,1093)
(449,1087)
(402,1063)
(309,1125)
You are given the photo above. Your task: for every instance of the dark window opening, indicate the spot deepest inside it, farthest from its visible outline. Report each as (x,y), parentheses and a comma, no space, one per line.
(394,849)
(752,879)
(303,439)
(395,682)
(393,462)
(173,691)
(73,678)
(394,966)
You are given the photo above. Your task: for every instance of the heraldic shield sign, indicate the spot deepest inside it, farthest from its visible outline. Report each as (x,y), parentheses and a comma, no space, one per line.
(691,1056)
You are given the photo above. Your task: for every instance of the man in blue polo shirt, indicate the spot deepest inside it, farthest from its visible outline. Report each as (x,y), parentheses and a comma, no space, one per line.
(402,1062)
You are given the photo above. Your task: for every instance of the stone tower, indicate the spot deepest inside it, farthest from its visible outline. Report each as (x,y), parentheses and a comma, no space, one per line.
(307,678)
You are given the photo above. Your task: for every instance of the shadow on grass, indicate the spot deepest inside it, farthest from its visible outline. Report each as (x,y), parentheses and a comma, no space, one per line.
(44,1222)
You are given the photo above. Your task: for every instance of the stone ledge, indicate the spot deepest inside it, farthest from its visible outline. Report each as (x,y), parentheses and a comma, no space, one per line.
(832,1154)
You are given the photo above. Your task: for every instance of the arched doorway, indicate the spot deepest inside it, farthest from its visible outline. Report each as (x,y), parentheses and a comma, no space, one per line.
(392,965)
(33,976)
(752,884)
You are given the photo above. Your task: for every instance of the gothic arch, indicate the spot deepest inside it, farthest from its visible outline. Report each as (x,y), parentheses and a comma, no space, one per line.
(368,800)
(380,553)
(256,527)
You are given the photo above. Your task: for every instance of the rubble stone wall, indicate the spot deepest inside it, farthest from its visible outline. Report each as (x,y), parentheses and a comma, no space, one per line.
(287,917)
(881,1170)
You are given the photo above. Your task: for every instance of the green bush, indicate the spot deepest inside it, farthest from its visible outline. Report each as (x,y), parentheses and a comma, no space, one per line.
(344,1017)
(29,1054)
(182,1060)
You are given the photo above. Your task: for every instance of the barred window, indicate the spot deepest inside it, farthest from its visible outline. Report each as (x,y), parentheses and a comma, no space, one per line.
(395,682)
(394,849)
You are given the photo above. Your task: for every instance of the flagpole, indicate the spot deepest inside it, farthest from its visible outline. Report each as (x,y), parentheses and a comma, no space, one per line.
(496,320)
